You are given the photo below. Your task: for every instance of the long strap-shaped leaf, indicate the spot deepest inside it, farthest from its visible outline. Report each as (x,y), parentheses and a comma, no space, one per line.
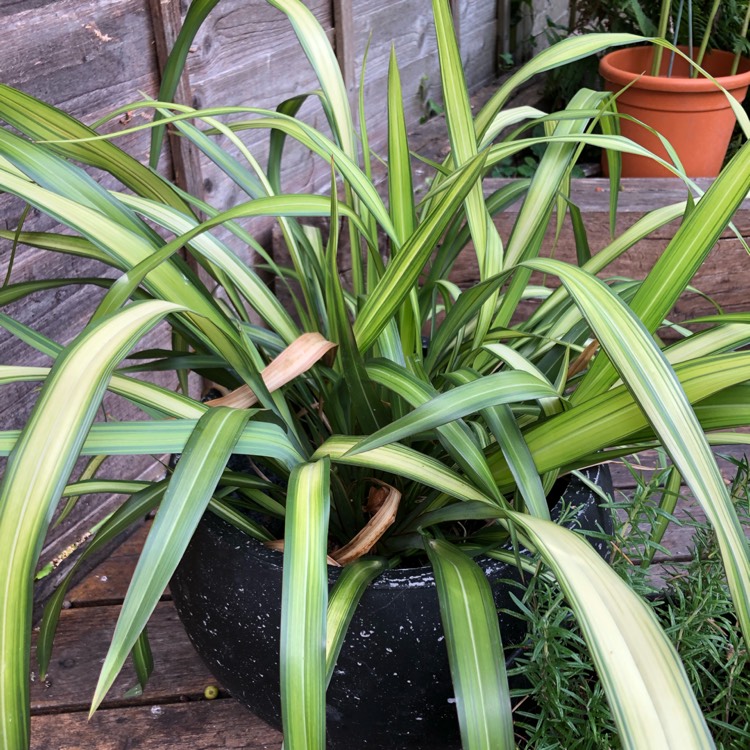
(42,122)
(185,500)
(404,269)
(247,281)
(343,600)
(170,75)
(124,246)
(304,600)
(507,433)
(533,217)
(614,417)
(133,509)
(498,388)
(160,402)
(405,462)
(321,56)
(401,196)
(319,52)
(654,385)
(487,243)
(297,129)
(364,400)
(648,691)
(51,439)
(455,436)
(647,224)
(564,52)
(53,172)
(682,257)
(169,436)
(475,652)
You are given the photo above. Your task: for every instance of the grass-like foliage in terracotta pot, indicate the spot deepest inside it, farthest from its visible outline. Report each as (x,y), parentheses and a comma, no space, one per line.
(342,396)
(681,103)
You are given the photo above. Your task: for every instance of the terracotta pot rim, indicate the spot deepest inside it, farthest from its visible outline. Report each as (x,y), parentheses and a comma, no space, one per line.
(613,68)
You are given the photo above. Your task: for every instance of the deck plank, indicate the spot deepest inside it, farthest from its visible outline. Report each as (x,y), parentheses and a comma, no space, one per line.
(203,725)
(108,582)
(172,712)
(81,644)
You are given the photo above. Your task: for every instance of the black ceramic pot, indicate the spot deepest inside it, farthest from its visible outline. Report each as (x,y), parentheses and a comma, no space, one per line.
(391,688)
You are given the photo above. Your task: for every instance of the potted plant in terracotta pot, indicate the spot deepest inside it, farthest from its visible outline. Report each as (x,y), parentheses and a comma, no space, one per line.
(405,436)
(688,96)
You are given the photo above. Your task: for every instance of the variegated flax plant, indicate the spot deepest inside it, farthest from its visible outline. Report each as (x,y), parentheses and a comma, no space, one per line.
(476,425)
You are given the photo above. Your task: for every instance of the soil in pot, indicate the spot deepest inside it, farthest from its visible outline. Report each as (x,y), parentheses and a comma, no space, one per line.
(391,688)
(693,114)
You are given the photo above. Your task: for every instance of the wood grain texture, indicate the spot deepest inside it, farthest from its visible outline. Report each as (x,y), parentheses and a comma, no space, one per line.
(203,725)
(86,57)
(81,644)
(343,22)
(108,582)
(476,27)
(723,277)
(79,54)
(247,54)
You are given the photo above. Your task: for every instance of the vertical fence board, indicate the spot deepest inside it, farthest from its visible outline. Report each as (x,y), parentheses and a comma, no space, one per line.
(90,56)
(86,57)
(476,23)
(343,22)
(167,20)
(246,54)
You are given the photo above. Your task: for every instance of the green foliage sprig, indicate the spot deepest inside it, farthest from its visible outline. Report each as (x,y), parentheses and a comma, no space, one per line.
(369,444)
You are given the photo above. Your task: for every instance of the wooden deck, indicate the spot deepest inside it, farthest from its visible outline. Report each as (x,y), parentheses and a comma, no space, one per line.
(172,713)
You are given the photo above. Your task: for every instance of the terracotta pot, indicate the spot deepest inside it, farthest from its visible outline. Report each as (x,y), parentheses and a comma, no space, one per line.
(391,689)
(691,113)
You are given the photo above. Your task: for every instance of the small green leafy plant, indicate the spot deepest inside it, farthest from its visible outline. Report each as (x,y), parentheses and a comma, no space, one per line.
(561,704)
(341,395)
(698,24)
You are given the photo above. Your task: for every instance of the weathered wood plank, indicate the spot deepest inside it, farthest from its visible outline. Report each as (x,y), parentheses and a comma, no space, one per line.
(247,54)
(81,644)
(723,276)
(480,55)
(476,27)
(678,539)
(108,582)
(200,725)
(86,57)
(343,22)
(166,19)
(646,463)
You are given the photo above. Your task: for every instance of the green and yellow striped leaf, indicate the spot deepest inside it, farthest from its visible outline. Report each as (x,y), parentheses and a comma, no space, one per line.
(491,390)
(188,493)
(646,373)
(52,437)
(304,601)
(644,680)
(475,652)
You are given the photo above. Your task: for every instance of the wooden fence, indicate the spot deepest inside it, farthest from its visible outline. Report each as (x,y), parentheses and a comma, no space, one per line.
(88,57)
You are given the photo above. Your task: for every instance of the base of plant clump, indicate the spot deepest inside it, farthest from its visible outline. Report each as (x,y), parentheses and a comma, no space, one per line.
(391,688)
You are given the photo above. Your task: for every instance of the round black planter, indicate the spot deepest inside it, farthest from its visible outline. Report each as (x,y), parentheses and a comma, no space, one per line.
(391,688)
